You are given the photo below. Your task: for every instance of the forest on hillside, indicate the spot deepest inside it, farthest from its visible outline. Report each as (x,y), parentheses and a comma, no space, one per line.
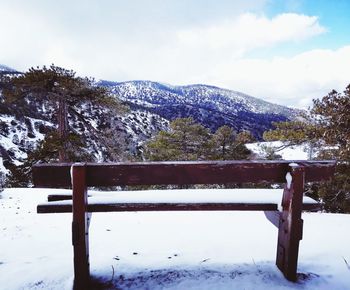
(325,128)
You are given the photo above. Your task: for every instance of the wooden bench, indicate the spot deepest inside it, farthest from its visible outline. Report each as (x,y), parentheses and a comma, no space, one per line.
(286,215)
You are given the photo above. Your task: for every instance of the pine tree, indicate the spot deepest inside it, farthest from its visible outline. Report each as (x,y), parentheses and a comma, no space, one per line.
(245,137)
(223,140)
(66,95)
(334,122)
(65,92)
(292,133)
(228,145)
(327,127)
(186,140)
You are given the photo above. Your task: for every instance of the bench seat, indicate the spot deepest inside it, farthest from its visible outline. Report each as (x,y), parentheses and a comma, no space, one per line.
(178,200)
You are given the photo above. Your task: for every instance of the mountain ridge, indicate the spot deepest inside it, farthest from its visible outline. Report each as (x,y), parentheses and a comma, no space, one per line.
(207,104)
(4,69)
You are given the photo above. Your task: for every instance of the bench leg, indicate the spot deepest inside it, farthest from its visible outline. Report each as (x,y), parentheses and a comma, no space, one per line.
(291,225)
(80,228)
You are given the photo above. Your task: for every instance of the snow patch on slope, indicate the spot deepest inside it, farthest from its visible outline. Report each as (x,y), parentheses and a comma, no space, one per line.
(17,137)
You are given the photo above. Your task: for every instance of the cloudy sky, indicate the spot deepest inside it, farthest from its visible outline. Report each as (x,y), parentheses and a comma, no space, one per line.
(287,52)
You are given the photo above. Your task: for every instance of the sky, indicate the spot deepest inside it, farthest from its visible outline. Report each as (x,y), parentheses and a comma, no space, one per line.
(286,52)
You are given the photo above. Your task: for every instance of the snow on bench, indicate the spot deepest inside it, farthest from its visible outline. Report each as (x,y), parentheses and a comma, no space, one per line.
(175,199)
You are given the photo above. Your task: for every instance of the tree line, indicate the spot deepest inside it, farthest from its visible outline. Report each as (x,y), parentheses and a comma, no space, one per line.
(187,140)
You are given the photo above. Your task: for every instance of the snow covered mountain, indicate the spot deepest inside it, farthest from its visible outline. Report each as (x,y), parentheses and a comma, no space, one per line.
(152,106)
(209,105)
(7,70)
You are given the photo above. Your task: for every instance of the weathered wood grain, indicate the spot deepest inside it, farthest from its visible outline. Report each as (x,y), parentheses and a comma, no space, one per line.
(80,229)
(180,173)
(52,207)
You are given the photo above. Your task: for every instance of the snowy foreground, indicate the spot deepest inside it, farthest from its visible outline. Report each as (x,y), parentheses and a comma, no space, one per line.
(166,250)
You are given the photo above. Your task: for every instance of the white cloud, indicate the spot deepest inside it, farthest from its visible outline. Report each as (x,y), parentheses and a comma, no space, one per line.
(96,34)
(192,55)
(179,42)
(291,81)
(250,31)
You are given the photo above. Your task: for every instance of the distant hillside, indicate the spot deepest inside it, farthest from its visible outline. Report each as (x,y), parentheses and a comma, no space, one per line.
(7,70)
(152,106)
(209,105)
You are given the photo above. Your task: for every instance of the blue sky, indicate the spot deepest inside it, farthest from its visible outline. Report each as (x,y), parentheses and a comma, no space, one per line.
(334,15)
(287,52)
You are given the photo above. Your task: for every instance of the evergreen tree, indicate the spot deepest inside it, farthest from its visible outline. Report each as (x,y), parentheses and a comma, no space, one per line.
(245,137)
(328,129)
(270,152)
(228,145)
(60,91)
(186,140)
(65,92)
(291,133)
(334,123)
(223,140)
(333,116)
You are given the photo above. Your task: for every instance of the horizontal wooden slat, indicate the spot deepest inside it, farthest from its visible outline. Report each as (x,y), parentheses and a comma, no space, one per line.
(122,207)
(57,197)
(53,175)
(181,173)
(312,206)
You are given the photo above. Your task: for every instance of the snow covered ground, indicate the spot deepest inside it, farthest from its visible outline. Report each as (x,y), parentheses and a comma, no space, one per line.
(297,152)
(166,250)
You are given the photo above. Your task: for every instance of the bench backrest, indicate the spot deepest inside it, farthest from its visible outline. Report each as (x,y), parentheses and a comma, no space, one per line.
(180,173)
